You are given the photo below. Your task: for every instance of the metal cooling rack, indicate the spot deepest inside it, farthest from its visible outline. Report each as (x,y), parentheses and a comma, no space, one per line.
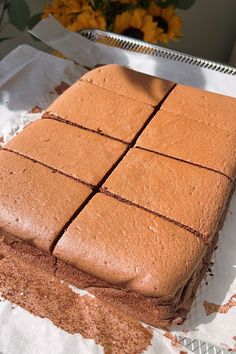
(201,347)
(135,45)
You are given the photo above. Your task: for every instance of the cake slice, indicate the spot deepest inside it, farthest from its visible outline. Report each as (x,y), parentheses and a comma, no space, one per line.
(129,83)
(152,267)
(100,110)
(36,202)
(111,240)
(188,195)
(75,152)
(189,140)
(206,107)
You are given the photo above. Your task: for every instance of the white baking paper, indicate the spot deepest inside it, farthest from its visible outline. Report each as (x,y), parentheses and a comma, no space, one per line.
(39,72)
(28,77)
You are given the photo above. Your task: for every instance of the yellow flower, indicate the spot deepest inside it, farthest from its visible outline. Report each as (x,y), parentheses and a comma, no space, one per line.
(88,19)
(167,20)
(59,10)
(137,24)
(75,6)
(68,11)
(47,11)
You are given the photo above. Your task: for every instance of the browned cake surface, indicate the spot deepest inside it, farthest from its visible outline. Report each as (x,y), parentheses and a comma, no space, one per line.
(36,202)
(103,111)
(189,140)
(202,106)
(76,152)
(129,247)
(187,194)
(129,83)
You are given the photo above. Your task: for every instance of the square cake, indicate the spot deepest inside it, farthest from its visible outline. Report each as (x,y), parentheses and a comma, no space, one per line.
(122,187)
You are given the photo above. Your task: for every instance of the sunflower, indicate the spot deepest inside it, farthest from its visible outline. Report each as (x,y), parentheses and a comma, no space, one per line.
(137,24)
(75,6)
(88,19)
(58,9)
(167,20)
(47,11)
(65,11)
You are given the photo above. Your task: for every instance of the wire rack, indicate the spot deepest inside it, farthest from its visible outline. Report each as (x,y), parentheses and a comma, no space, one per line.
(201,347)
(134,45)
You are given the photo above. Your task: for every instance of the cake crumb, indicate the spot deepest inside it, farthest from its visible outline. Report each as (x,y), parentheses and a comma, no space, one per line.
(213,308)
(36,109)
(62,87)
(174,341)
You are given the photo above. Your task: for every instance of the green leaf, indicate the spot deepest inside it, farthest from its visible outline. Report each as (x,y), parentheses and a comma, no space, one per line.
(185,4)
(19,14)
(4,39)
(34,20)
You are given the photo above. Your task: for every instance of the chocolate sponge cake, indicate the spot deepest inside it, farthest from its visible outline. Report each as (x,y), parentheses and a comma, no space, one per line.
(115,183)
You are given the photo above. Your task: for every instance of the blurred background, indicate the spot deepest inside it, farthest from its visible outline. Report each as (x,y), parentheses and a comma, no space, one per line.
(209,30)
